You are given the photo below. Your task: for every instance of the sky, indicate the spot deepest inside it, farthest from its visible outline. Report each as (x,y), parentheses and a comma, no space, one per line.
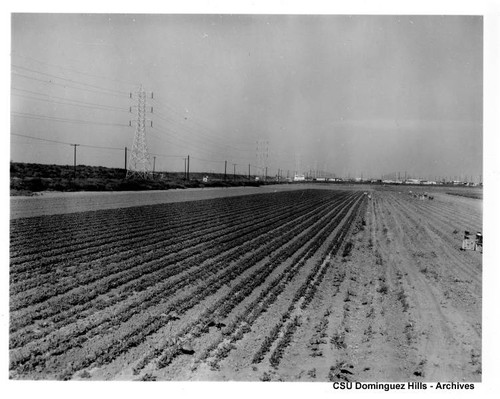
(348,95)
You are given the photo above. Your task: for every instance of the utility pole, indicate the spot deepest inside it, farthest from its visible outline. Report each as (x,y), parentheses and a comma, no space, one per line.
(188,169)
(262,154)
(125,160)
(234,172)
(266,175)
(74,160)
(225,170)
(154,164)
(248,171)
(185,169)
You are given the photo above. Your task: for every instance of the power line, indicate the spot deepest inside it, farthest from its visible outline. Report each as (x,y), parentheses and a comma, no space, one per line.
(68,80)
(182,126)
(121,149)
(168,135)
(75,71)
(206,160)
(186,143)
(57,119)
(114,109)
(40,139)
(190,130)
(173,110)
(180,141)
(69,99)
(50,141)
(101,90)
(167,156)
(193,120)
(49,82)
(64,142)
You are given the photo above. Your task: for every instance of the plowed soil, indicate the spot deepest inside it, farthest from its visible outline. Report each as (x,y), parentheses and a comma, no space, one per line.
(395,300)
(405,305)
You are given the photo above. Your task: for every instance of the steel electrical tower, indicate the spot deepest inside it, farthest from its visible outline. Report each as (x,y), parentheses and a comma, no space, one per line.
(262,153)
(298,166)
(139,155)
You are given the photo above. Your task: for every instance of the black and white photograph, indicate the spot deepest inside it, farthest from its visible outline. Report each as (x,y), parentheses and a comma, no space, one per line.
(247,197)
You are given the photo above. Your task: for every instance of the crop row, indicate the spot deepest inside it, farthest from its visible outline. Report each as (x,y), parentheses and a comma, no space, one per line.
(129,222)
(223,306)
(88,271)
(307,289)
(105,253)
(35,232)
(146,231)
(108,219)
(156,269)
(285,341)
(167,287)
(211,285)
(120,342)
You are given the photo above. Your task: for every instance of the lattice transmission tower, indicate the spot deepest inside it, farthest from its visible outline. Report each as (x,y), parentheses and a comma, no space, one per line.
(139,164)
(298,166)
(262,153)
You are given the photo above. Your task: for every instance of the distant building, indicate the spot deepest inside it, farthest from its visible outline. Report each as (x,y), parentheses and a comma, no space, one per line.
(298,177)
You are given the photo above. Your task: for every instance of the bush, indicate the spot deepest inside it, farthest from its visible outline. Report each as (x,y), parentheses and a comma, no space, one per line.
(33,184)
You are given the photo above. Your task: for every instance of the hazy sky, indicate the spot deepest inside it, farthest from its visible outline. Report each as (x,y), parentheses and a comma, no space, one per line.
(347,94)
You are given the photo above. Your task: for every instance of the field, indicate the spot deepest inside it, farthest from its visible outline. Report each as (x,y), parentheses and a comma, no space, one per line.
(51,203)
(304,285)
